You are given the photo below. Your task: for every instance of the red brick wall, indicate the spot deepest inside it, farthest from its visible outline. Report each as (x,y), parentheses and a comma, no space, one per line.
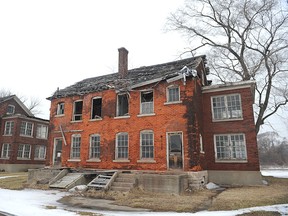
(4,105)
(246,126)
(168,118)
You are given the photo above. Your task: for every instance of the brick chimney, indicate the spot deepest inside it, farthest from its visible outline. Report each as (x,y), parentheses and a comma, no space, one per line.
(123,62)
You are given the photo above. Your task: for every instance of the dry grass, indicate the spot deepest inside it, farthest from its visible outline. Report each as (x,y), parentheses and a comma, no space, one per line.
(261,213)
(244,197)
(17,181)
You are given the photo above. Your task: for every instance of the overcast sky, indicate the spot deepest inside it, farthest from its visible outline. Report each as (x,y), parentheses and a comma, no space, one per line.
(55,43)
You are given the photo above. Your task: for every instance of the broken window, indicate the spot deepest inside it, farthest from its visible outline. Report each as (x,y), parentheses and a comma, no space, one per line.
(147,106)
(60,109)
(122,105)
(77,114)
(96,108)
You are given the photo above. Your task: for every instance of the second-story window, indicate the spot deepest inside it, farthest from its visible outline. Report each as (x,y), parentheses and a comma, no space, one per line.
(122,105)
(173,94)
(96,111)
(9,126)
(10,109)
(42,131)
(226,107)
(147,106)
(77,112)
(26,129)
(60,108)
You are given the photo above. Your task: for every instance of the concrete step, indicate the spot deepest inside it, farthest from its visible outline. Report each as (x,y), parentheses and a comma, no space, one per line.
(123,184)
(122,189)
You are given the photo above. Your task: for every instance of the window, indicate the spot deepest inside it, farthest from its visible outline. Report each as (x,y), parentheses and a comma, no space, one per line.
(24,151)
(230,147)
(201,144)
(75,146)
(94,146)
(147,102)
(9,126)
(77,113)
(26,129)
(122,146)
(227,107)
(96,112)
(147,145)
(173,94)
(60,108)
(122,105)
(42,131)
(6,150)
(10,109)
(40,152)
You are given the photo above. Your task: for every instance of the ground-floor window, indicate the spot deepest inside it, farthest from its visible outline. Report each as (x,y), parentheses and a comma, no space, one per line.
(6,150)
(94,147)
(122,146)
(230,147)
(24,151)
(40,152)
(75,146)
(147,145)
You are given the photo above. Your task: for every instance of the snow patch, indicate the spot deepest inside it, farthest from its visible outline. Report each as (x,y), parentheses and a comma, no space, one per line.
(211,186)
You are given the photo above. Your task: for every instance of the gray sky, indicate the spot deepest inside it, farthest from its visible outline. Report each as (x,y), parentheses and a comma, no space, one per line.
(55,43)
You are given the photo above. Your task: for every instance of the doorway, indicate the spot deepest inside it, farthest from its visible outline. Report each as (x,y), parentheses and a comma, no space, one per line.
(57,153)
(175,150)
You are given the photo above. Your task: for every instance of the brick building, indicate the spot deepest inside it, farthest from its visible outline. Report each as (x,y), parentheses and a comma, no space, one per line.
(165,117)
(23,137)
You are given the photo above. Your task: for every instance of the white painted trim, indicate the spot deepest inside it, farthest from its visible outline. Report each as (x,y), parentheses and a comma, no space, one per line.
(167,147)
(228,86)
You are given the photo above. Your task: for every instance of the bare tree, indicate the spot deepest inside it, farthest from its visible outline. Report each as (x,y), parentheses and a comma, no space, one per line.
(247,40)
(31,103)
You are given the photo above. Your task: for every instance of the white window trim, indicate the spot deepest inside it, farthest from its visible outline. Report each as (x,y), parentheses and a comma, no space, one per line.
(23,158)
(9,150)
(8,113)
(42,126)
(167,95)
(73,114)
(32,129)
(217,160)
(71,149)
(146,114)
(226,106)
(123,160)
(58,108)
(45,151)
(91,110)
(10,130)
(147,160)
(90,139)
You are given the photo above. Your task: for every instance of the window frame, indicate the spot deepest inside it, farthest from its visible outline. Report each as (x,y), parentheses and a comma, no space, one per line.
(168,88)
(225,109)
(126,148)
(6,152)
(26,129)
(230,148)
(75,155)
(80,115)
(142,103)
(96,147)
(60,109)
(13,109)
(10,129)
(41,132)
(118,114)
(92,109)
(145,132)
(37,155)
(23,151)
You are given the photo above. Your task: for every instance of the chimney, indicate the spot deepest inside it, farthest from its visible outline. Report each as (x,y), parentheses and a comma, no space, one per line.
(123,62)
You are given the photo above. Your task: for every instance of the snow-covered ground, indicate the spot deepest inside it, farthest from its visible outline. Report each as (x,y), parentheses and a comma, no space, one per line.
(44,203)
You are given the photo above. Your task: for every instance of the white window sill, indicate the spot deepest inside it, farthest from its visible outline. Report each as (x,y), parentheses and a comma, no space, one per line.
(202,152)
(22,135)
(121,161)
(7,134)
(230,161)
(96,119)
(143,115)
(94,160)
(74,160)
(172,102)
(122,117)
(39,159)
(41,138)
(58,116)
(27,159)
(76,121)
(225,120)
(146,161)
(4,158)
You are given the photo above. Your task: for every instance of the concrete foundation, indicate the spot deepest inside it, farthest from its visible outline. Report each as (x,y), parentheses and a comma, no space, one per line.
(42,175)
(235,177)
(19,167)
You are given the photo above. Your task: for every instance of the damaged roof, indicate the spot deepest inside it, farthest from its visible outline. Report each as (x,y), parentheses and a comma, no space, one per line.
(135,78)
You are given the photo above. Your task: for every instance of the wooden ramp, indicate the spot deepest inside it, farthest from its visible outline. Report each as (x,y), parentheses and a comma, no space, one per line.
(103,181)
(68,181)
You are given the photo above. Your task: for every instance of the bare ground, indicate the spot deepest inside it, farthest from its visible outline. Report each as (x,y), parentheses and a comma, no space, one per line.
(230,199)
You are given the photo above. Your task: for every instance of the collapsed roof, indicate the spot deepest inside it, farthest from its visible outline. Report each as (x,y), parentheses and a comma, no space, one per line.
(135,77)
